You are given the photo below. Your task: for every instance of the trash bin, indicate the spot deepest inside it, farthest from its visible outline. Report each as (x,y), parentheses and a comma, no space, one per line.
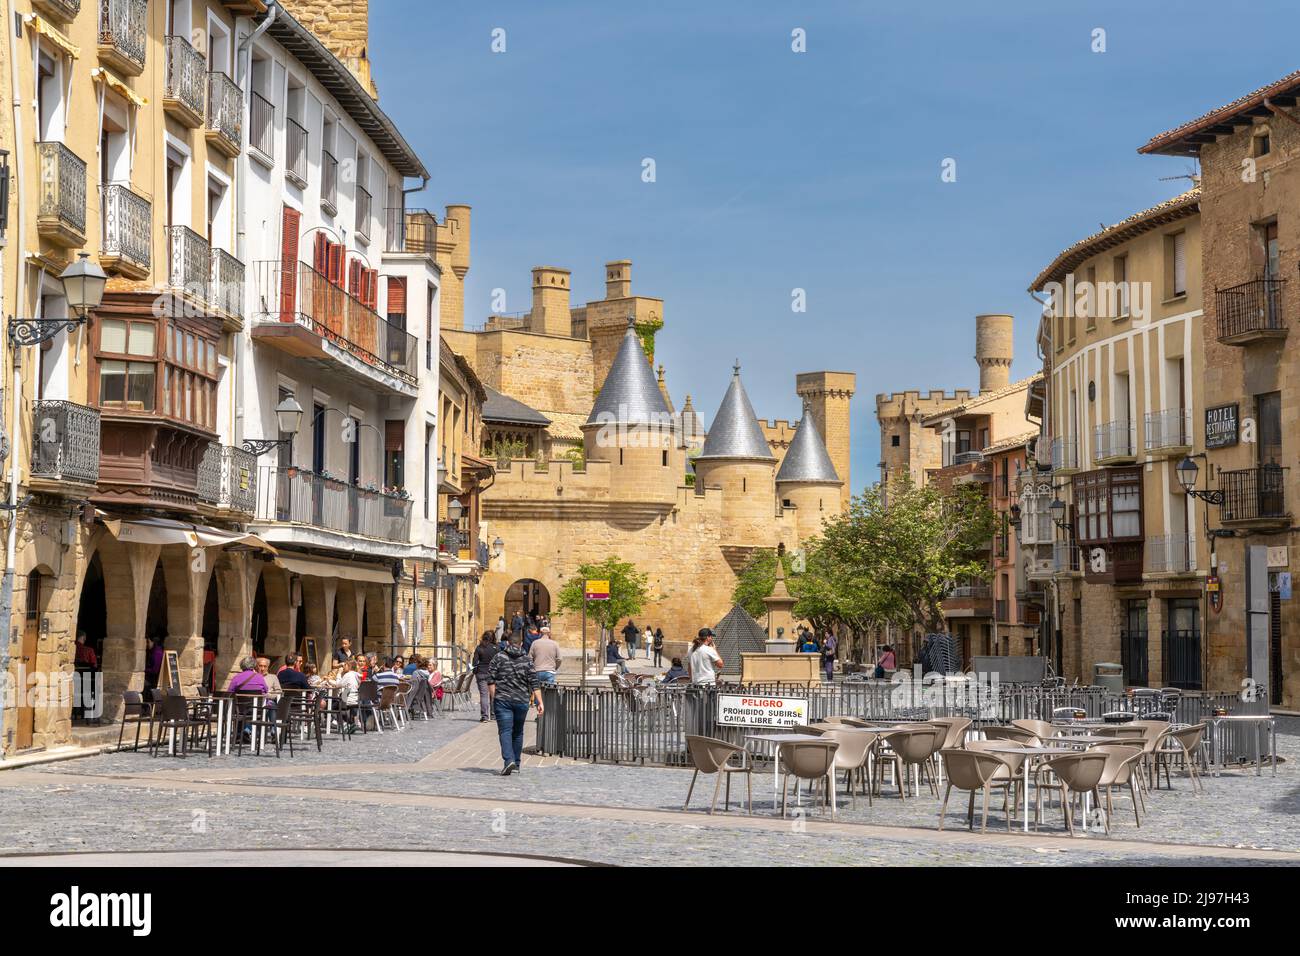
(1109,676)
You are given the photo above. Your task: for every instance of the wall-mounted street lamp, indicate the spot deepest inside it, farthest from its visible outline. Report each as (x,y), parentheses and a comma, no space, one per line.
(1057,510)
(454,510)
(498,547)
(1187,472)
(288,416)
(83,289)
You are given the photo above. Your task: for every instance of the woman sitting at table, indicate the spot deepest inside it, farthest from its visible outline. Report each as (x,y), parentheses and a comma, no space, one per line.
(349,694)
(248,680)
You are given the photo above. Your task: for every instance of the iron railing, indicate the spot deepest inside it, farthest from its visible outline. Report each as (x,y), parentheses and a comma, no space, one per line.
(395,229)
(1133,657)
(123,26)
(329,180)
(225,115)
(1065,556)
(1254,306)
(128,225)
(1171,553)
(190,259)
(183,81)
(295,152)
(340,318)
(65,442)
(63,9)
(226,283)
(1181,653)
(1114,440)
(261,124)
(363,212)
(228,478)
(1065,453)
(967,457)
(1252,494)
(1171,428)
(63,186)
(295,496)
(976,591)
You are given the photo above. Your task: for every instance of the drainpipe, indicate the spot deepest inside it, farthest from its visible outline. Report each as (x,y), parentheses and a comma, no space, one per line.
(19,231)
(1055,616)
(242,73)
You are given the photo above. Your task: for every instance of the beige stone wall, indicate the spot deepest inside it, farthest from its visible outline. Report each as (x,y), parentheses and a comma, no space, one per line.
(919,448)
(548,373)
(749,504)
(814,504)
(828,395)
(343,26)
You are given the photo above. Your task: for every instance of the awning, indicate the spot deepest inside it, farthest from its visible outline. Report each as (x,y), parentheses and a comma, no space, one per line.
(324,568)
(118,85)
(53,34)
(168,531)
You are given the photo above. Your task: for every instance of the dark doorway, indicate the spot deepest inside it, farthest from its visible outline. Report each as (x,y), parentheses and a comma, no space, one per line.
(155,628)
(211,633)
(1133,644)
(92,621)
(1182,644)
(259,618)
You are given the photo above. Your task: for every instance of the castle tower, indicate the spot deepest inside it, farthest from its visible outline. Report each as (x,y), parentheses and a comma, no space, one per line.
(807,479)
(994,348)
(631,427)
(828,395)
(343,26)
(618,279)
(550,301)
(736,458)
(449,243)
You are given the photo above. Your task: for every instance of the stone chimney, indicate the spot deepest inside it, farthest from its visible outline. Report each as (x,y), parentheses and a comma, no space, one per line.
(343,26)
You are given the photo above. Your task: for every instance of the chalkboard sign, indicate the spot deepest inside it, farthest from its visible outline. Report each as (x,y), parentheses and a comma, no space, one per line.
(172,670)
(1221,426)
(309,649)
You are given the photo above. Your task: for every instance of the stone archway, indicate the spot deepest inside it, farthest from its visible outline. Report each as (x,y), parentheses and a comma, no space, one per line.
(528,596)
(122,659)
(271,615)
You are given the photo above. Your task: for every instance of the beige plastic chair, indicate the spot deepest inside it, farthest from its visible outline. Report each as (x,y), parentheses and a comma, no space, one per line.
(974,771)
(825,725)
(1041,729)
(908,748)
(1186,743)
(852,756)
(1014,771)
(1076,774)
(1121,761)
(710,755)
(808,760)
(1018,734)
(810,730)
(955,730)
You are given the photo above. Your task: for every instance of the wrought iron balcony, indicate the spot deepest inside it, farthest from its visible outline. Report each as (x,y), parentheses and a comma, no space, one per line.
(125,245)
(190,259)
(1115,442)
(61,217)
(58,9)
(295,152)
(226,286)
(1065,455)
(329,182)
(1251,311)
(1169,432)
(261,125)
(1171,554)
(65,442)
(363,212)
(295,496)
(123,34)
(184,82)
(225,115)
(1065,556)
(395,229)
(228,479)
(1254,495)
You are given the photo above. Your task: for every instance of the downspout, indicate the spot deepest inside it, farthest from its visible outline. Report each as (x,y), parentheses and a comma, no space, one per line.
(1047,417)
(20,297)
(242,72)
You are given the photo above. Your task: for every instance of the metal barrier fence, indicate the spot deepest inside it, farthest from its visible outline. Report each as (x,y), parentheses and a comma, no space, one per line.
(650,726)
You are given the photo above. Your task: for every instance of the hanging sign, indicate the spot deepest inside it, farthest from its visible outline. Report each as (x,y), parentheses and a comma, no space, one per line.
(1221,426)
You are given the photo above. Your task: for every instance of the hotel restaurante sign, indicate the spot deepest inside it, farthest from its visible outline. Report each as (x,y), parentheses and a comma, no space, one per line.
(1221,426)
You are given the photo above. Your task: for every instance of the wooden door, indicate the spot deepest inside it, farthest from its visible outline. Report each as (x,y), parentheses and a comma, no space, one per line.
(26,665)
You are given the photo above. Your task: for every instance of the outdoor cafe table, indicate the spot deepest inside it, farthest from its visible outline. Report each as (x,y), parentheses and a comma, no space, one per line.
(776,740)
(1037,752)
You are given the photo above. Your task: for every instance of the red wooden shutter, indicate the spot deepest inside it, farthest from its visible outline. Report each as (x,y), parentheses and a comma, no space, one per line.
(370,289)
(396,295)
(336,253)
(289,264)
(354,278)
(320,258)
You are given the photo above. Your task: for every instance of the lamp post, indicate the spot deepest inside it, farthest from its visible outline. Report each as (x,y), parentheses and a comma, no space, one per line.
(83,290)
(288,416)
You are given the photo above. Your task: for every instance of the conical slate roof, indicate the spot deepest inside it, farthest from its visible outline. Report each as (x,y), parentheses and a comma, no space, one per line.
(631,391)
(735,432)
(806,459)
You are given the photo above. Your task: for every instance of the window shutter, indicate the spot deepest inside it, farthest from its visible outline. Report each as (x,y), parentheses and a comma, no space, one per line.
(396,295)
(289,264)
(370,289)
(336,253)
(1180,263)
(320,258)
(354,278)
(394,435)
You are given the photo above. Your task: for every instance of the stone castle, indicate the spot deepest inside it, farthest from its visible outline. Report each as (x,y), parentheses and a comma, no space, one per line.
(594,458)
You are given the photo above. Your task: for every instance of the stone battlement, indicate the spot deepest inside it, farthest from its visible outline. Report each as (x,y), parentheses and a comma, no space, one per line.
(936,397)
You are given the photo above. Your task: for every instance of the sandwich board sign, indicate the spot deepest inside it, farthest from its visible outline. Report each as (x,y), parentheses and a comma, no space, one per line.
(753,710)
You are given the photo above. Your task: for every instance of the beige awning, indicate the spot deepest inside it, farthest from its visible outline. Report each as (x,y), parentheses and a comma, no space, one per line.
(168,531)
(324,568)
(118,85)
(53,34)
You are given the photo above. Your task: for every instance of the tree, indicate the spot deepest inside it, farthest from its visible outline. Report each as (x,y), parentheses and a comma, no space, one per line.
(627,592)
(757,580)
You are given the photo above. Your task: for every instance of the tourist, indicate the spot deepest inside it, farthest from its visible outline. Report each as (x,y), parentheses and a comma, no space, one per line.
(828,655)
(501,626)
(630,632)
(612,656)
(85,654)
(314,679)
(659,646)
(483,654)
(372,664)
(291,676)
(512,683)
(387,675)
(886,664)
(533,634)
(808,644)
(399,664)
(412,666)
(705,660)
(153,663)
(676,671)
(363,666)
(272,682)
(343,653)
(545,655)
(350,694)
(647,641)
(517,624)
(248,680)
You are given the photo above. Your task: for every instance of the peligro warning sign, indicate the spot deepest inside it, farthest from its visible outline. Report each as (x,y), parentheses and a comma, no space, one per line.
(739,710)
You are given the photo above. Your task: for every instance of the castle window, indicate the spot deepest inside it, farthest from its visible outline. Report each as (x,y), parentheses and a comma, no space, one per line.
(665,454)
(620,456)
(894,440)
(744,484)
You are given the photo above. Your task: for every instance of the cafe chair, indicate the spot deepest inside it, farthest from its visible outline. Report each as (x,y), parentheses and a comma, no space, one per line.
(368,705)
(174,719)
(975,772)
(812,760)
(709,755)
(135,711)
(1041,729)
(852,757)
(1121,762)
(1183,743)
(1076,774)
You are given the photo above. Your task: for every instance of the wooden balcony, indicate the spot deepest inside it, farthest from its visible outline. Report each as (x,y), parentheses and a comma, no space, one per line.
(61,215)
(971,600)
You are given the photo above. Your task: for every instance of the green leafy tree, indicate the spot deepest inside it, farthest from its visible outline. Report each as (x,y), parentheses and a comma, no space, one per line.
(757,580)
(628,592)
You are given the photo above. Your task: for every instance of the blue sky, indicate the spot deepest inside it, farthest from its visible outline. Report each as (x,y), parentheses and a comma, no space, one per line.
(820,170)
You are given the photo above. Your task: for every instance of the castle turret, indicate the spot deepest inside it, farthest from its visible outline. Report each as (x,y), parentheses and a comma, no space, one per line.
(807,479)
(829,396)
(736,458)
(551,301)
(994,348)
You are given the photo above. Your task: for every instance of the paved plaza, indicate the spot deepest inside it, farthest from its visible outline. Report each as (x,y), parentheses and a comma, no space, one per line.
(433,790)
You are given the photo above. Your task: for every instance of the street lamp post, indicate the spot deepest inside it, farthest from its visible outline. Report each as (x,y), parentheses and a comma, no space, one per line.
(1188,472)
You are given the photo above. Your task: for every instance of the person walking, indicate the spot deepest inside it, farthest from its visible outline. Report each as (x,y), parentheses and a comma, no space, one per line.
(829,645)
(545,654)
(483,654)
(705,660)
(501,627)
(512,684)
(630,631)
(517,624)
(659,646)
(647,641)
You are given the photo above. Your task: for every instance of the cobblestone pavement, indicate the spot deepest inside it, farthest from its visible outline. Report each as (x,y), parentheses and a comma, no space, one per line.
(432,787)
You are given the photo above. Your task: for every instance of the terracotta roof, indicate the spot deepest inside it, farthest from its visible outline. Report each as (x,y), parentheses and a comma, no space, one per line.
(1018,441)
(1171,210)
(978,400)
(1186,140)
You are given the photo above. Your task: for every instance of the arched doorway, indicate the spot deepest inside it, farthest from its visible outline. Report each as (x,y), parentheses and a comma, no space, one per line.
(211,633)
(527,596)
(92,621)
